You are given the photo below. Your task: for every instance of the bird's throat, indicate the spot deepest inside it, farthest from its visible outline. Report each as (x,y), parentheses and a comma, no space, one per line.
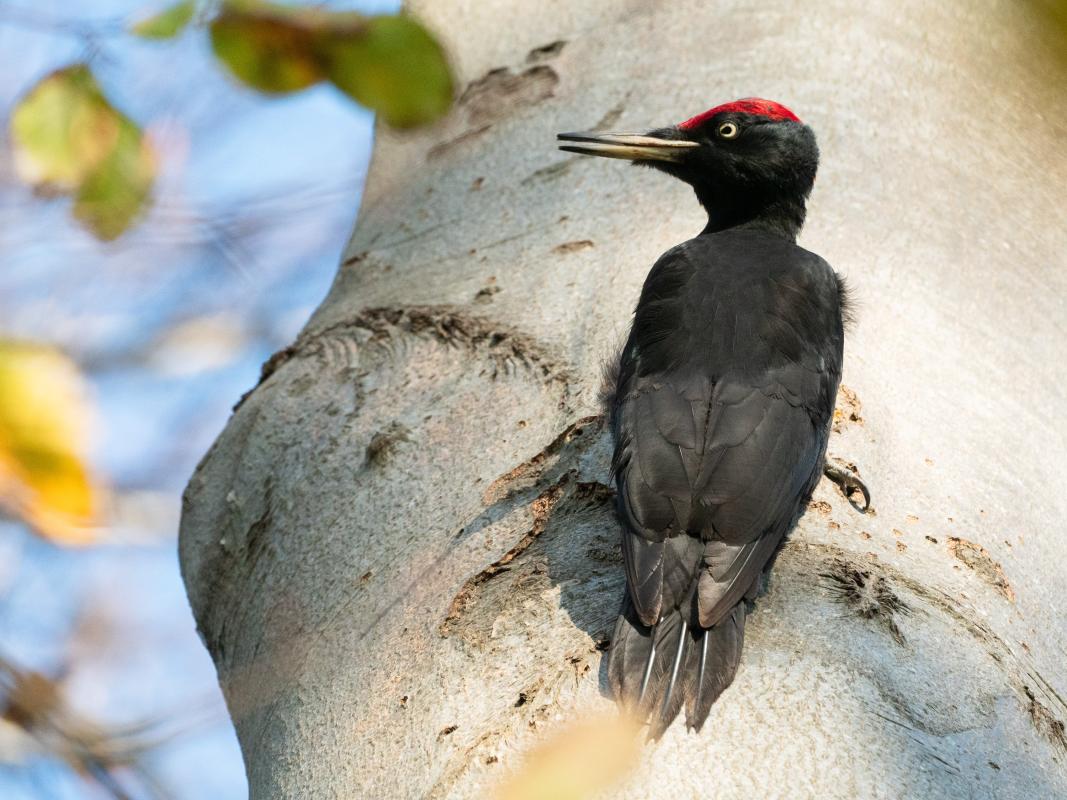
(783,216)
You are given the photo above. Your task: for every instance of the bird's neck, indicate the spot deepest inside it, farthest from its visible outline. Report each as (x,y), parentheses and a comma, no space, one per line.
(782,216)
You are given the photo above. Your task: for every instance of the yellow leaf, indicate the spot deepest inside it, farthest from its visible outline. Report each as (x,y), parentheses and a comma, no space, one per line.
(68,138)
(44,424)
(576,763)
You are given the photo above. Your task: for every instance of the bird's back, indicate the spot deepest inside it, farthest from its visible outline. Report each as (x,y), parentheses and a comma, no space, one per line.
(736,302)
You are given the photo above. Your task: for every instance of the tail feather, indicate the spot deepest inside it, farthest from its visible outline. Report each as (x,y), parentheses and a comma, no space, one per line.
(721,653)
(697,700)
(629,658)
(677,665)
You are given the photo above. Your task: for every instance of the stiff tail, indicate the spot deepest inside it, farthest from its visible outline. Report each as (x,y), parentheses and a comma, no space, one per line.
(655,671)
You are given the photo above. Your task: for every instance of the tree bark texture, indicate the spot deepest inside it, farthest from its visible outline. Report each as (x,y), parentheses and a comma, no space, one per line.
(402,553)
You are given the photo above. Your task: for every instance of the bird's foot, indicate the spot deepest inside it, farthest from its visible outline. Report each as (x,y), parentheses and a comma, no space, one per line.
(849,483)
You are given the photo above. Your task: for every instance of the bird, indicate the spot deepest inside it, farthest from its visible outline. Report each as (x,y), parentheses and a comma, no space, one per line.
(720,403)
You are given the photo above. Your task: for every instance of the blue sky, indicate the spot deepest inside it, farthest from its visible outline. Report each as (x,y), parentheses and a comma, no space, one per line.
(170,323)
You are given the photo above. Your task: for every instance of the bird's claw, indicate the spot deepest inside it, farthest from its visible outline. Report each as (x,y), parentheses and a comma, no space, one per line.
(848,482)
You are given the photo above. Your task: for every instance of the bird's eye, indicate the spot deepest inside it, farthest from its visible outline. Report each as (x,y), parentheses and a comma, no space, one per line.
(729,130)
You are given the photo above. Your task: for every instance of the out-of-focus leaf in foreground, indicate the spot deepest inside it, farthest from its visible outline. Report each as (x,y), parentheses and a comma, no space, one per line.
(269,47)
(390,64)
(577,763)
(168,23)
(69,139)
(393,66)
(44,423)
(1053,16)
(62,129)
(112,197)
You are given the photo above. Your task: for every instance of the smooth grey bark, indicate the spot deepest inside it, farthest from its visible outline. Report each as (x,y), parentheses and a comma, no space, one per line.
(401,551)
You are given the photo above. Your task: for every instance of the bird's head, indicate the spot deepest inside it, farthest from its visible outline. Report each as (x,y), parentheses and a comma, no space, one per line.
(751,160)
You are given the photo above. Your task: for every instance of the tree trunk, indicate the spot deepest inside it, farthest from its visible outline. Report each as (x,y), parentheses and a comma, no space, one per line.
(401,552)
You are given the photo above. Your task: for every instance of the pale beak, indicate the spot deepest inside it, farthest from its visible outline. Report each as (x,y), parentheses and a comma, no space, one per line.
(632,146)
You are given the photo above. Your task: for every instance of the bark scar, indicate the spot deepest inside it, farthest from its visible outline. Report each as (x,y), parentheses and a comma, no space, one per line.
(977,558)
(530,471)
(513,489)
(505,347)
(867,595)
(541,509)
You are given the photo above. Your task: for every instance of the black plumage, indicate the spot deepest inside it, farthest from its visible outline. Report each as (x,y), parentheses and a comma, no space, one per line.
(722,403)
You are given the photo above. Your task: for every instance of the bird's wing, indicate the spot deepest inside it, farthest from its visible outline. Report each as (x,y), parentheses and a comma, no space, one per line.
(711,477)
(763,457)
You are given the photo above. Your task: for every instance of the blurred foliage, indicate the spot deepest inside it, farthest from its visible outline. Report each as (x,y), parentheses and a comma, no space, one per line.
(62,130)
(269,47)
(390,64)
(44,420)
(68,139)
(168,23)
(581,761)
(115,759)
(1053,14)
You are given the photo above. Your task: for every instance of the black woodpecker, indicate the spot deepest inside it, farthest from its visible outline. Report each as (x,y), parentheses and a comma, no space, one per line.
(722,401)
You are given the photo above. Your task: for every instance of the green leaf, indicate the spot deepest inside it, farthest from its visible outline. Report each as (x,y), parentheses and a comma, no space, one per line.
(61,129)
(168,23)
(390,64)
(114,195)
(269,47)
(69,139)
